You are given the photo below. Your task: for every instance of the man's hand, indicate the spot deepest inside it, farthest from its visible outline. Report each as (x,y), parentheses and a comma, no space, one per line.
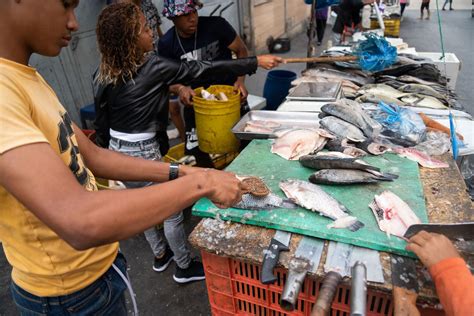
(186,95)
(240,86)
(227,189)
(269,61)
(431,248)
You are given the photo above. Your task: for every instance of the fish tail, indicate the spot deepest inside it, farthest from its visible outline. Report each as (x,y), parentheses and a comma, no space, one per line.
(389,176)
(355,226)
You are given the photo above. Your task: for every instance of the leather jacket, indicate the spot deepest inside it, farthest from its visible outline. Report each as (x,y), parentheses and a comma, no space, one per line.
(141,104)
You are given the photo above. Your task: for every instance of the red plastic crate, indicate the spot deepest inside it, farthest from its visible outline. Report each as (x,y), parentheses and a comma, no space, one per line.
(234,288)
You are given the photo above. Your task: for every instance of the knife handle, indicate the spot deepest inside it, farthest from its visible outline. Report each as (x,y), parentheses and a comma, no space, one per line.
(270,261)
(326,294)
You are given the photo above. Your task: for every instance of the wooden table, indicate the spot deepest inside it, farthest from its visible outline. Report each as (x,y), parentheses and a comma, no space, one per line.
(446,198)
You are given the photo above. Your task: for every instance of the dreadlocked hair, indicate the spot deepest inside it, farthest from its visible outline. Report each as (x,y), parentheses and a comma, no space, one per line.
(117,31)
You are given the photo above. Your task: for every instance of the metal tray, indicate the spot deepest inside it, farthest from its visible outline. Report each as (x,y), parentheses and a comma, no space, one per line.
(286,119)
(316,91)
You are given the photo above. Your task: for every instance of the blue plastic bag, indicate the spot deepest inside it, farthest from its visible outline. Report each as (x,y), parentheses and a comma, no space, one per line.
(400,124)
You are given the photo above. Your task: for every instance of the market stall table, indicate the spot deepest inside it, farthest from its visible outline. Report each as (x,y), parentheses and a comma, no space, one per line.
(446,201)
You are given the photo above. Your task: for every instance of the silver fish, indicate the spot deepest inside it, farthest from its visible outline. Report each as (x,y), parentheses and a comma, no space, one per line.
(423,101)
(349,176)
(331,162)
(271,201)
(342,146)
(358,79)
(312,197)
(376,98)
(342,128)
(422,89)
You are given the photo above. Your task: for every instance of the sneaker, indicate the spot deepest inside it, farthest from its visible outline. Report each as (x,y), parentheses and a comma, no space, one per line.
(195,272)
(162,263)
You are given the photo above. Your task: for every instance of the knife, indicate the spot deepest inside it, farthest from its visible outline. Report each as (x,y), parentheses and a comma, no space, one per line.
(340,259)
(279,242)
(306,259)
(450,230)
(405,285)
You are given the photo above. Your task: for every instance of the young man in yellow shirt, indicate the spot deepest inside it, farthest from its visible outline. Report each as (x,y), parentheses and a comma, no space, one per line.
(58,232)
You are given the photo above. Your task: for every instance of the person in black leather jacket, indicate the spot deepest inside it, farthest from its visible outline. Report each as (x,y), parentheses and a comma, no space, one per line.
(131,96)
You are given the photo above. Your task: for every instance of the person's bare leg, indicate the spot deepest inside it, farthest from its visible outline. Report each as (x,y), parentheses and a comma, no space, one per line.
(175,114)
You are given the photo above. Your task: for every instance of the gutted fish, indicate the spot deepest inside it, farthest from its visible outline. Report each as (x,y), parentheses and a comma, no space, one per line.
(268,202)
(372,147)
(292,144)
(393,215)
(423,101)
(349,176)
(422,158)
(331,162)
(342,128)
(312,197)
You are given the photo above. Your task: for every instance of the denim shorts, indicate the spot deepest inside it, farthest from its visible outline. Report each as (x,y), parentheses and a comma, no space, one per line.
(106,296)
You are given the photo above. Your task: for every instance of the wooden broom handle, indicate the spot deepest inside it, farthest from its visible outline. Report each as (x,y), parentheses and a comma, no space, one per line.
(320,59)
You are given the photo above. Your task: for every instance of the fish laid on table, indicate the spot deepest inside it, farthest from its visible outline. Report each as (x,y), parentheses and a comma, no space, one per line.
(341,145)
(424,101)
(342,128)
(421,89)
(376,98)
(268,202)
(294,143)
(349,176)
(393,215)
(358,118)
(420,157)
(372,147)
(358,79)
(312,197)
(332,161)
(261,126)
(381,89)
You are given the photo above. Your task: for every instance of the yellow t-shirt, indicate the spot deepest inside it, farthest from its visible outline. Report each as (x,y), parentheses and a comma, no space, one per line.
(43,264)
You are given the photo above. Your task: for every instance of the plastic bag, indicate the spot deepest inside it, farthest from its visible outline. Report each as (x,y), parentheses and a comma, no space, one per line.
(435,144)
(403,126)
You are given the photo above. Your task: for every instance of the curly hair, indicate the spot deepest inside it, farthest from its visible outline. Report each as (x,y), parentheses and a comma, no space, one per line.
(117,31)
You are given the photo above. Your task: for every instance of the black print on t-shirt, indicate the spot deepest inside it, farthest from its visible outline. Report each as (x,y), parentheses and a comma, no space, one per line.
(65,143)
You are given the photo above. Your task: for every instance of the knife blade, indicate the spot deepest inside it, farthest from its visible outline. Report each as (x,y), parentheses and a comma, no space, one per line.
(306,259)
(405,285)
(450,230)
(279,242)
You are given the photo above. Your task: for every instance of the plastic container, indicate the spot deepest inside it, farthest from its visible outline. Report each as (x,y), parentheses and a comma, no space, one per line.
(453,65)
(234,288)
(392,26)
(276,87)
(220,161)
(215,119)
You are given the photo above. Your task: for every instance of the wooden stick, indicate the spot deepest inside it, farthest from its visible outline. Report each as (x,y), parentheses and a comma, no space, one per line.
(320,59)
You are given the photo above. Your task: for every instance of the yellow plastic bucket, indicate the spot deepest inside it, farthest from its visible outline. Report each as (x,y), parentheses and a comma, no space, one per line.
(215,119)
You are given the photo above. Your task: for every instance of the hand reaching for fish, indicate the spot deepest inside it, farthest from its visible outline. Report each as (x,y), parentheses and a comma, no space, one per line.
(226,188)
(431,248)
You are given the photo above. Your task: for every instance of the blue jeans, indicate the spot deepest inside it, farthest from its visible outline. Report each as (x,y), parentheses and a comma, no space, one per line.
(103,297)
(173,226)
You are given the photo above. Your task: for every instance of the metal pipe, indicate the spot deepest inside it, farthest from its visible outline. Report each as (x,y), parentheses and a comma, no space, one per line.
(359,290)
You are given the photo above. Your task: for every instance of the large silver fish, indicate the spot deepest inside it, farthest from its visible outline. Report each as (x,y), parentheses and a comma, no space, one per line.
(358,118)
(342,128)
(271,201)
(424,101)
(358,79)
(422,89)
(312,197)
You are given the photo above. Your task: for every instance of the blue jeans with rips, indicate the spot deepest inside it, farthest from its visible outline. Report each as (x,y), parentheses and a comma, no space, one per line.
(103,297)
(173,227)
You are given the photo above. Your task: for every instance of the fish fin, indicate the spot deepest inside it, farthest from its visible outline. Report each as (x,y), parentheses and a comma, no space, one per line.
(383,176)
(356,226)
(287,203)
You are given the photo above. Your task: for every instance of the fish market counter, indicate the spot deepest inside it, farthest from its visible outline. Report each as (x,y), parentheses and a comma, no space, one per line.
(233,254)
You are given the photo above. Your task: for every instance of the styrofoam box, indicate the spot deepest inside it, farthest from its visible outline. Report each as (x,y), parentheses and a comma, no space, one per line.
(453,65)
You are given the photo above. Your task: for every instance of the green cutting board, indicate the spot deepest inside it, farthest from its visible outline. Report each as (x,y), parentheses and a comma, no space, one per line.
(257,160)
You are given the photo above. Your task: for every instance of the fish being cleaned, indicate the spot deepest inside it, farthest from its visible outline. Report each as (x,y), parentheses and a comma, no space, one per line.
(327,161)
(312,197)
(420,157)
(260,126)
(268,202)
(341,145)
(295,143)
(393,215)
(357,118)
(342,128)
(349,176)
